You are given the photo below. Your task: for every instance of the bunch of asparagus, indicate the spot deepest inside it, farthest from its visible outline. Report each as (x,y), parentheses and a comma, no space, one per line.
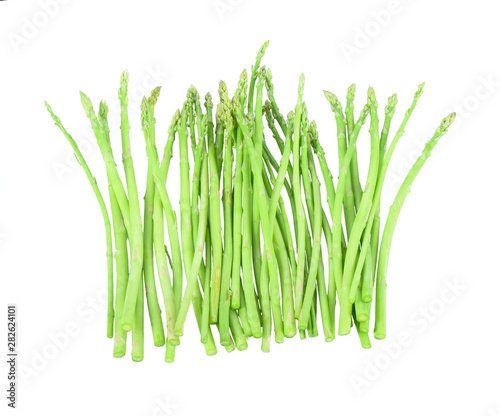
(252,255)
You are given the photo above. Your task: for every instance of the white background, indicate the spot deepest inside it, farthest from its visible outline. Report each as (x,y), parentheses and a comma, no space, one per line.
(52,238)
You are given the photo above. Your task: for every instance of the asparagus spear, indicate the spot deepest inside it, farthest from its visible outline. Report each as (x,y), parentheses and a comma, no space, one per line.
(148,126)
(215,224)
(107,225)
(385,245)
(135,235)
(121,253)
(301,218)
(246,247)
(227,257)
(238,202)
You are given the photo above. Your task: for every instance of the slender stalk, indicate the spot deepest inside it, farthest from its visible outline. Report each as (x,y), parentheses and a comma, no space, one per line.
(227,257)
(138,325)
(121,250)
(375,231)
(215,223)
(246,248)
(238,204)
(107,225)
(148,125)
(135,235)
(299,207)
(385,245)
(206,288)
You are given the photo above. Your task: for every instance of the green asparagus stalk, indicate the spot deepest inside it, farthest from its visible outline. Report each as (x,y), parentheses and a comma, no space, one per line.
(121,253)
(299,207)
(135,235)
(138,325)
(107,225)
(385,245)
(227,257)
(238,204)
(148,126)
(246,248)
(215,224)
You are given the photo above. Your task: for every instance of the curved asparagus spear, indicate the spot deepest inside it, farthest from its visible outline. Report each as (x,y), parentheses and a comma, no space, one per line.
(385,245)
(102,205)
(375,209)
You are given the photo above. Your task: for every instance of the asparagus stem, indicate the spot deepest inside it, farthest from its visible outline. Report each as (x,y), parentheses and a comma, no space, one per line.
(138,325)
(385,245)
(135,235)
(215,224)
(375,231)
(121,253)
(246,248)
(148,125)
(107,225)
(227,257)
(239,337)
(238,204)
(299,207)
(206,288)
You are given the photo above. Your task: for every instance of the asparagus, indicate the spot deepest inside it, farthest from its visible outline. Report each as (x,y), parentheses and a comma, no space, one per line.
(385,245)
(237,204)
(301,224)
(148,126)
(121,250)
(215,225)
(135,234)
(107,225)
(227,257)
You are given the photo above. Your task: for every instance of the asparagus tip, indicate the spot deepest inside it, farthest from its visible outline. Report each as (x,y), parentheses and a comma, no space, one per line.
(122,92)
(351,91)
